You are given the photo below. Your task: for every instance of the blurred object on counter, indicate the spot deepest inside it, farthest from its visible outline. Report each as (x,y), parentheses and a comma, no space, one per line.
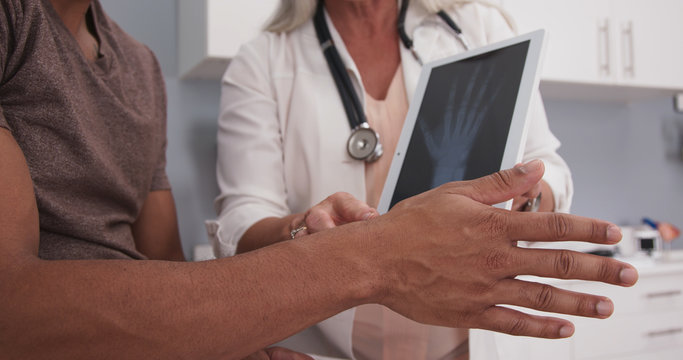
(668,231)
(638,241)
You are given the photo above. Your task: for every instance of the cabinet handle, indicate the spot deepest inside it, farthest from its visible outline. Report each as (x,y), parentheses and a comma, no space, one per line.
(671,293)
(603,48)
(666,332)
(627,49)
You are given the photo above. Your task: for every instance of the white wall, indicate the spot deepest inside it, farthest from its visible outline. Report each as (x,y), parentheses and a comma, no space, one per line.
(615,150)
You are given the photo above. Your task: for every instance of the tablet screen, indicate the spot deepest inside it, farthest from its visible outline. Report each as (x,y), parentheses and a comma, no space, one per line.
(462,125)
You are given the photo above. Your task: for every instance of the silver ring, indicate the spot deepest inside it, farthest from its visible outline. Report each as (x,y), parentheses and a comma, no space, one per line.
(293,233)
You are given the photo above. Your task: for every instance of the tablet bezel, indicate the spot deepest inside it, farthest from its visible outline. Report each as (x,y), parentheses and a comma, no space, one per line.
(514,147)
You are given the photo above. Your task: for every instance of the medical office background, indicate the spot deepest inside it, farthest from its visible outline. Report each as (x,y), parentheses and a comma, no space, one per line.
(622,143)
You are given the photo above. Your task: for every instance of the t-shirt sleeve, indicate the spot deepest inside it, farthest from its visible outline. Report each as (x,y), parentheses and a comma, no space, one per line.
(160,179)
(3,121)
(11,13)
(4,49)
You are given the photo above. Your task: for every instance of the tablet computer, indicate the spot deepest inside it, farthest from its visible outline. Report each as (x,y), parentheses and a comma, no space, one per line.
(468,118)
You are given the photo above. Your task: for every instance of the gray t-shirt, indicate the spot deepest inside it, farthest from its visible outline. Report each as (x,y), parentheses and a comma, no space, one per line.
(93,133)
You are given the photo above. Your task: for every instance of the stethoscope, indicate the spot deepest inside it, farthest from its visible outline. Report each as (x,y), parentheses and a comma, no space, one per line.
(363,143)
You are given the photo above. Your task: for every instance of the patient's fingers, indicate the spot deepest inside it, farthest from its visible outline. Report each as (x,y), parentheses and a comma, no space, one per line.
(514,322)
(561,227)
(565,264)
(547,298)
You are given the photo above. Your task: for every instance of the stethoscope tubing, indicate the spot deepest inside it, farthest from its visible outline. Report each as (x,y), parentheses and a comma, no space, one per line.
(352,105)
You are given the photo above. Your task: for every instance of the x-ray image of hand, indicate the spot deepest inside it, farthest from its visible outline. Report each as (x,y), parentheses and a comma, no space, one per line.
(450,139)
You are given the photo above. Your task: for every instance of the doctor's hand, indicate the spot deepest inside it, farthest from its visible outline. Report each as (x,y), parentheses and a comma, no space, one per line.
(277,353)
(337,209)
(450,259)
(530,200)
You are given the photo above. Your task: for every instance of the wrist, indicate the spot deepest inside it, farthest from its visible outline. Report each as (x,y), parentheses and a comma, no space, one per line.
(375,261)
(363,254)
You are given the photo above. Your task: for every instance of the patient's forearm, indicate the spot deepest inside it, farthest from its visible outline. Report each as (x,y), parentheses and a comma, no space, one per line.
(226,308)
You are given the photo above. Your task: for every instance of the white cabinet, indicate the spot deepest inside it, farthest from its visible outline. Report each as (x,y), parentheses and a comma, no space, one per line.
(626,44)
(647,324)
(211,31)
(616,49)
(573,49)
(650,42)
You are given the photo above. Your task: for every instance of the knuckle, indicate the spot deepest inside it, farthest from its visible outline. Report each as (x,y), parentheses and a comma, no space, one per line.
(606,272)
(343,196)
(517,326)
(332,199)
(545,297)
(495,260)
(565,264)
(595,231)
(503,179)
(585,306)
(494,223)
(314,216)
(560,225)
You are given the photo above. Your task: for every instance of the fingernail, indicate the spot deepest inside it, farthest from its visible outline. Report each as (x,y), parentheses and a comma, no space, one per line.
(628,276)
(604,308)
(530,166)
(368,215)
(613,234)
(566,331)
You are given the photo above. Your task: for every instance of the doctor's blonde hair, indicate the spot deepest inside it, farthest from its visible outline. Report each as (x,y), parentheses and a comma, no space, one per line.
(292,13)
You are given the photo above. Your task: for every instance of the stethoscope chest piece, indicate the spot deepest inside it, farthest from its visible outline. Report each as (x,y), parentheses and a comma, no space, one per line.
(364,144)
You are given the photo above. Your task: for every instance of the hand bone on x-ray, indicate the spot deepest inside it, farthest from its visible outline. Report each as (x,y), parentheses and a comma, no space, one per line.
(450,140)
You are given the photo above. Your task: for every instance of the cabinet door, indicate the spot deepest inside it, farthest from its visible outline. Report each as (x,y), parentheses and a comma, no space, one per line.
(650,45)
(235,22)
(211,31)
(579,37)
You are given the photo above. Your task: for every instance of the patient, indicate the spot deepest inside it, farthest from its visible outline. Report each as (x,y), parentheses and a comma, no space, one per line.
(88,228)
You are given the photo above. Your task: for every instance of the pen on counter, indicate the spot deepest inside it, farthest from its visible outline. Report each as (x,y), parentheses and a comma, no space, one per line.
(653,224)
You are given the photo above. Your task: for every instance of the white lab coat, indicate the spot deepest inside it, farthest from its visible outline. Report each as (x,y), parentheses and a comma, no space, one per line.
(282,129)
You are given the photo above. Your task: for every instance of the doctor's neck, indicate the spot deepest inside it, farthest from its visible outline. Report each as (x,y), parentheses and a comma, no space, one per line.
(366,18)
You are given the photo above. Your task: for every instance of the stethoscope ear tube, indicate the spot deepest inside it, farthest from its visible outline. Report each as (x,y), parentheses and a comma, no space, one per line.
(408,42)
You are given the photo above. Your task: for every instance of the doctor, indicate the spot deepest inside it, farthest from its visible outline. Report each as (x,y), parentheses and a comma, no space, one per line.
(293,101)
